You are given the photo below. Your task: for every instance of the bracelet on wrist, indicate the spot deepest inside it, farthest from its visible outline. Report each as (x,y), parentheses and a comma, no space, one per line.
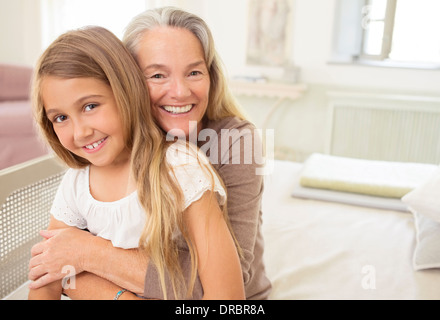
(120,292)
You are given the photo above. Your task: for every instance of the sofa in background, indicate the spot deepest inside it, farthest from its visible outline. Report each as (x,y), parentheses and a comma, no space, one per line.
(19,140)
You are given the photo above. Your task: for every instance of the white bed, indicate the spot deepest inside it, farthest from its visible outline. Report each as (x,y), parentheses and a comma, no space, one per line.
(328,250)
(313,249)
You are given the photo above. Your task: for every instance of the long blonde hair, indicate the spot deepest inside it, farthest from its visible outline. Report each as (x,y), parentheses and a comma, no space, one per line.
(94,52)
(221,102)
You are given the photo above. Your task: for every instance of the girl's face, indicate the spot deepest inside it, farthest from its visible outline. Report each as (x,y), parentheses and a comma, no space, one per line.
(173,63)
(85,118)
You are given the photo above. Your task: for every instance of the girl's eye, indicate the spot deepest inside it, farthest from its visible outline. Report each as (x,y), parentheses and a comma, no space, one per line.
(90,107)
(59,119)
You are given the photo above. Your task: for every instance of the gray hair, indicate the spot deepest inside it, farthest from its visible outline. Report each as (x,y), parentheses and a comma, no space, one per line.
(169,17)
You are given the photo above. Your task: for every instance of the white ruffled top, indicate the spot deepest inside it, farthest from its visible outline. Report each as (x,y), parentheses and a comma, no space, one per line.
(122,221)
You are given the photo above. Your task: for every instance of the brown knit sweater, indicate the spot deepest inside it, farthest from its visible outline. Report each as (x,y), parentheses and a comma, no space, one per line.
(244,187)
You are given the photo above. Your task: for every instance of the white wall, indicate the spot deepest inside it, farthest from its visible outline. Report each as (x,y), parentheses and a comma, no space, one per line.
(20,31)
(302,125)
(311,46)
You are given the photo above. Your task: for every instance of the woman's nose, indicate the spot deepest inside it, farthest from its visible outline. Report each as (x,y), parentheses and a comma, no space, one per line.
(179,88)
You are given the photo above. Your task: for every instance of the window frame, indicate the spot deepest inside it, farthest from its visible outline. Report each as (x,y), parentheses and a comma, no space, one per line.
(349,35)
(387,38)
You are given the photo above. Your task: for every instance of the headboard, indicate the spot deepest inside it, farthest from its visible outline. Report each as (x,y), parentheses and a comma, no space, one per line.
(26,195)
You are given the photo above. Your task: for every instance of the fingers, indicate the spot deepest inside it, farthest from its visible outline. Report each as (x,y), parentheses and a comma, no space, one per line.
(41,282)
(47,234)
(37,249)
(36,272)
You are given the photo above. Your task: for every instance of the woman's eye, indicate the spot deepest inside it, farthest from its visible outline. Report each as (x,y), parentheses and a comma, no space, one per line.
(157,76)
(90,107)
(195,73)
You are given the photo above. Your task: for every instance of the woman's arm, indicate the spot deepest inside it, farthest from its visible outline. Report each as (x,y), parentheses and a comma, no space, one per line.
(218,261)
(53,290)
(245,188)
(84,285)
(125,268)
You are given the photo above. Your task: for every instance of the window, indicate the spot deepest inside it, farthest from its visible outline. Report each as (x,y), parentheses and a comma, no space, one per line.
(377,25)
(389,32)
(59,16)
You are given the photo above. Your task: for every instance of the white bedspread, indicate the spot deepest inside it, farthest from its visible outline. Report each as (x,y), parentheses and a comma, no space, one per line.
(325,250)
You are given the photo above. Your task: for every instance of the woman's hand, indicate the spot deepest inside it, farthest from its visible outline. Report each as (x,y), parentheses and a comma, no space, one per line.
(69,251)
(60,255)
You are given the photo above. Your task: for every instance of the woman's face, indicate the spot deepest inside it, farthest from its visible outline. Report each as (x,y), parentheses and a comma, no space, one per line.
(173,63)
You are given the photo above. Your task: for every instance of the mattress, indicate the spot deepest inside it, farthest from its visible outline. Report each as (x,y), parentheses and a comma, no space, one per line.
(318,249)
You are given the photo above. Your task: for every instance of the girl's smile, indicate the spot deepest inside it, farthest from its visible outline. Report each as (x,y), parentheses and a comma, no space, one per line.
(96,146)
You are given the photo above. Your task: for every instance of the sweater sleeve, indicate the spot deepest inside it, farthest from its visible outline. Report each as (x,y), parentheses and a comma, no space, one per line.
(238,169)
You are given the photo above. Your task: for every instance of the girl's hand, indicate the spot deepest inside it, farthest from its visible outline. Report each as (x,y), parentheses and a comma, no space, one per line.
(60,255)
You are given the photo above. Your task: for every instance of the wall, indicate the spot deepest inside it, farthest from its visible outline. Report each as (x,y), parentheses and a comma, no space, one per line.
(300,125)
(20,32)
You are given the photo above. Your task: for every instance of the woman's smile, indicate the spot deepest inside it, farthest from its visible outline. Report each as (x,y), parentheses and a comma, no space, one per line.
(179,84)
(178,109)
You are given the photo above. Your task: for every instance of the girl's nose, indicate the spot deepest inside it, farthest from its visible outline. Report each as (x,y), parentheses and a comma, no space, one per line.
(82,131)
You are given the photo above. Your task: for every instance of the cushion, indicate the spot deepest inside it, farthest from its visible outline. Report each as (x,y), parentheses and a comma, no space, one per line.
(370,177)
(425,199)
(427,251)
(16,119)
(14,82)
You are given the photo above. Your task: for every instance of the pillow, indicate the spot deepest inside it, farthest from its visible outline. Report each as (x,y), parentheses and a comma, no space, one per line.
(425,199)
(374,178)
(427,251)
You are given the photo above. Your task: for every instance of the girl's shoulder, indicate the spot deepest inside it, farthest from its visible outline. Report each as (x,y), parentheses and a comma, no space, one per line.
(193,173)
(75,174)
(181,153)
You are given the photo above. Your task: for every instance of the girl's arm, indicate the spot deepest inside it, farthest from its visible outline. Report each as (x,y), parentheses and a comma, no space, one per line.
(218,261)
(89,286)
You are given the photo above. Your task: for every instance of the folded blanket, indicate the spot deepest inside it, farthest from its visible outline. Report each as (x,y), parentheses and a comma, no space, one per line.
(377,178)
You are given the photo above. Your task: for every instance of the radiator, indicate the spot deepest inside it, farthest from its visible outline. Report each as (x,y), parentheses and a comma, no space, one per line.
(384,127)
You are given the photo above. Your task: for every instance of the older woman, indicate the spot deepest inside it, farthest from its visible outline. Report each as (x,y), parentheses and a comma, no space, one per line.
(190,98)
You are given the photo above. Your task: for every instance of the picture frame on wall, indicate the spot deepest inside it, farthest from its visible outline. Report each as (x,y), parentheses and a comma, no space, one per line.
(269,32)
(269,40)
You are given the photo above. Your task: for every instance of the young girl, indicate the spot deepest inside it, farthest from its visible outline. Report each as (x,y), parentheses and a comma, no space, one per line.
(125,182)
